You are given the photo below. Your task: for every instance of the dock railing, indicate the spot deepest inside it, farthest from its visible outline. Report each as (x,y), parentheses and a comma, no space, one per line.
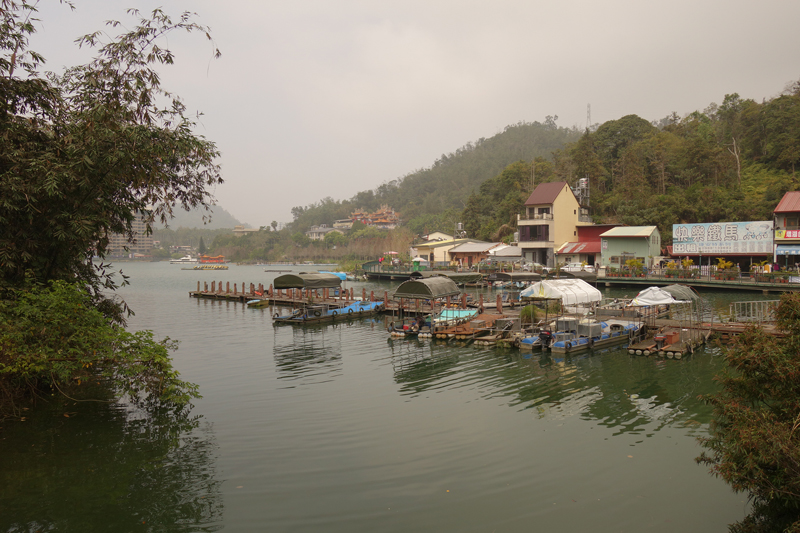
(787,279)
(759,312)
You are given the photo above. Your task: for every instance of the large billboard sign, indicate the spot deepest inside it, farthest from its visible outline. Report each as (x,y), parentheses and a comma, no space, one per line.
(721,238)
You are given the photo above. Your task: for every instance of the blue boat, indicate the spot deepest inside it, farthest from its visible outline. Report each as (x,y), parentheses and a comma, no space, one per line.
(317,313)
(591,335)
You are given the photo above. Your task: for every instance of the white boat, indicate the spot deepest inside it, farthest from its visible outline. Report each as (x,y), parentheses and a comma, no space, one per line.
(185,260)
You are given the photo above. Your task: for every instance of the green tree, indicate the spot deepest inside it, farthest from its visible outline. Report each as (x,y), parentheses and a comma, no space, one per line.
(754,443)
(55,336)
(83,153)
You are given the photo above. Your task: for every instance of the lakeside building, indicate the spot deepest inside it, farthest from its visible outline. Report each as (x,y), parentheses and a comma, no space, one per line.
(472,253)
(551,218)
(383,218)
(624,243)
(743,243)
(587,246)
(787,230)
(140,246)
(438,251)
(317,233)
(240,230)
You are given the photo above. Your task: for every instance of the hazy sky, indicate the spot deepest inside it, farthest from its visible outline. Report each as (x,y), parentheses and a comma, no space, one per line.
(327,98)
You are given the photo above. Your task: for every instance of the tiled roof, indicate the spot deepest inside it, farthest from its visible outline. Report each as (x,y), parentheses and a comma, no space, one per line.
(546,193)
(790,203)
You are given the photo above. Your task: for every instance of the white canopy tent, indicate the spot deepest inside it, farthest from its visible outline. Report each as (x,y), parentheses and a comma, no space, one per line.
(654,296)
(571,291)
(420,260)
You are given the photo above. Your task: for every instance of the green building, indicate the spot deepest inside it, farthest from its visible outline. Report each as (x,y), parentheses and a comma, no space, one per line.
(623,243)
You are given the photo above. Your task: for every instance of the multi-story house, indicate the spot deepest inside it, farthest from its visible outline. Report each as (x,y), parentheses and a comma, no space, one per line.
(787,229)
(551,218)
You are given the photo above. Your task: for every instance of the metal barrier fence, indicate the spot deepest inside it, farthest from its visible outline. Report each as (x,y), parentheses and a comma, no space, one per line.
(758,311)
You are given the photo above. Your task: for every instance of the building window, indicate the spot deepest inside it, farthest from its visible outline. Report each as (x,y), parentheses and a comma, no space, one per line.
(534,233)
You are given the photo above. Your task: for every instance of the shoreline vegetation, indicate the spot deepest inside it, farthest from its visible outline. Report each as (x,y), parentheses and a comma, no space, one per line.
(86,153)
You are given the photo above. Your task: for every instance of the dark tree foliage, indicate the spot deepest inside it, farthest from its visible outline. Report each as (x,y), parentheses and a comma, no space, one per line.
(84,153)
(755,433)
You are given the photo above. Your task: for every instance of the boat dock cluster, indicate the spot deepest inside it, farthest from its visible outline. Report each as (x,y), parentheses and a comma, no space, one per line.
(663,322)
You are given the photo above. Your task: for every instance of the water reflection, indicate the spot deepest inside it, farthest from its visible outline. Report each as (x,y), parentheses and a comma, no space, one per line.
(629,394)
(313,353)
(102,467)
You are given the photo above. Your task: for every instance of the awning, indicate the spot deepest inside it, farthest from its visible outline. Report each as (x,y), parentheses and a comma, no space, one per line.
(788,249)
(592,247)
(305,280)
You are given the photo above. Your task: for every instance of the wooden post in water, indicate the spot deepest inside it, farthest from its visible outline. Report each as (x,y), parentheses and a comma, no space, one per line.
(351,294)
(213,286)
(480,303)
(198,285)
(205,286)
(371,296)
(234,289)
(270,290)
(227,287)
(499,303)
(363,293)
(464,300)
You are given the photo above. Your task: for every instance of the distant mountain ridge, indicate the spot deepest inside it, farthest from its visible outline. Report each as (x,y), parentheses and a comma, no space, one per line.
(220,219)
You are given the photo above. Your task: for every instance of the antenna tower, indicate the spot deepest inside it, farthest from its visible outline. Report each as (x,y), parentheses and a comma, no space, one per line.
(588,116)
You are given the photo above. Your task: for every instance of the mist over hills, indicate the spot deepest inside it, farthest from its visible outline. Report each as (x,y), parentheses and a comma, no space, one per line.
(220,219)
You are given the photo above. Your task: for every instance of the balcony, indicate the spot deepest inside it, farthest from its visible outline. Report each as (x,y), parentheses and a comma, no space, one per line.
(536,244)
(544,216)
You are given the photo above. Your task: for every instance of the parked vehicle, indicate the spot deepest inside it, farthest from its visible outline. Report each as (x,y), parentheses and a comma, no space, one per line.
(577,267)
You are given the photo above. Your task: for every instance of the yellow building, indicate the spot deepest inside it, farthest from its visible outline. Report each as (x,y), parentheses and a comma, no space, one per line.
(551,218)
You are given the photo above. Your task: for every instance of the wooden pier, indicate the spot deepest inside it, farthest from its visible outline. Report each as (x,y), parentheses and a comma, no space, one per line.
(341,298)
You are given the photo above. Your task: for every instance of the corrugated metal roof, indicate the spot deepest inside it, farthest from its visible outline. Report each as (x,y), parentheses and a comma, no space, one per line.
(507,251)
(630,231)
(546,193)
(474,247)
(790,203)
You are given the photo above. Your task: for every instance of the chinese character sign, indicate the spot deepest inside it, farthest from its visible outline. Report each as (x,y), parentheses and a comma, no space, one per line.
(722,238)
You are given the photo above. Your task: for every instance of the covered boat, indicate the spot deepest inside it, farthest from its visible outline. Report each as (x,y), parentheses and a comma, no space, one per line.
(307,280)
(571,292)
(435,288)
(317,313)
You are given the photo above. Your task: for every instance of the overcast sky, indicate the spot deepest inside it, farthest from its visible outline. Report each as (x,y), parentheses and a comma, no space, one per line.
(327,98)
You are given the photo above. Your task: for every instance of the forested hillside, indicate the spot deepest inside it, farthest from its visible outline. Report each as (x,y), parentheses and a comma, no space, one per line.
(730,162)
(433,198)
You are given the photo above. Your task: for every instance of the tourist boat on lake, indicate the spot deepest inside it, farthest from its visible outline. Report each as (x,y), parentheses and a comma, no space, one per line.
(206,267)
(185,260)
(217,259)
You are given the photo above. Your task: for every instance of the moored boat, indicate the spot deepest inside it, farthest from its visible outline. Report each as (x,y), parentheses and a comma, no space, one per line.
(314,314)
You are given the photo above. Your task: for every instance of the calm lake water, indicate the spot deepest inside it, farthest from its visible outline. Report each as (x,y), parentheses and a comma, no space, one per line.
(339,429)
